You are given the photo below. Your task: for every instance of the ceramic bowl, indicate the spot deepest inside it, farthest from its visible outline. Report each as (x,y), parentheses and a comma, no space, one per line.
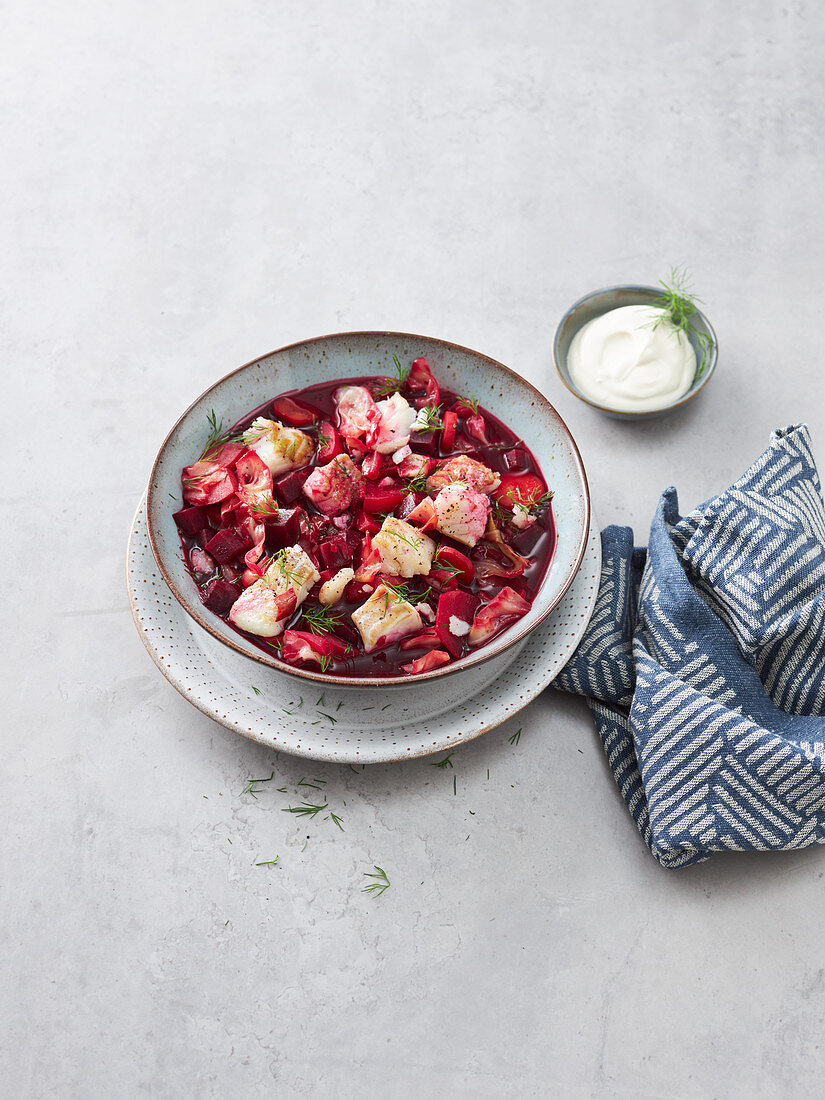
(611,297)
(529,414)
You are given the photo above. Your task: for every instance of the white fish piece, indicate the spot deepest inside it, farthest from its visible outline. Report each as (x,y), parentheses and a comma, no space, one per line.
(279,448)
(357,412)
(291,568)
(256,611)
(395,425)
(336,487)
(333,589)
(458,627)
(461,513)
(384,618)
(404,550)
(466,469)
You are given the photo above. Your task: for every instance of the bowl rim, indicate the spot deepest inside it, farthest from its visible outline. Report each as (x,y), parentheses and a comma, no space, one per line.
(568,383)
(454,668)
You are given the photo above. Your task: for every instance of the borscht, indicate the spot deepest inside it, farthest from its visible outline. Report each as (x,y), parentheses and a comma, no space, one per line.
(378,526)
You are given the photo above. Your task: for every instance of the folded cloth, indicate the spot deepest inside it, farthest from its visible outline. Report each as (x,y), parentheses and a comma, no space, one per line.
(704,664)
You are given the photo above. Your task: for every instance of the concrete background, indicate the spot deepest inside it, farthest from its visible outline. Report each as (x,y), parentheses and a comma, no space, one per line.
(189,185)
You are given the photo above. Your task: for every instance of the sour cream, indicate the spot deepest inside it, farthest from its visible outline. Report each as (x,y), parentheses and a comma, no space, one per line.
(632,360)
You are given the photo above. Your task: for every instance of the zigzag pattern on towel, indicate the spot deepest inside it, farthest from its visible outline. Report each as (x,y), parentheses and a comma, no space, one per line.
(756,555)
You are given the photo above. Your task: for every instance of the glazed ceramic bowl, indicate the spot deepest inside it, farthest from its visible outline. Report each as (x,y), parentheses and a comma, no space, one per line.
(612,297)
(346,355)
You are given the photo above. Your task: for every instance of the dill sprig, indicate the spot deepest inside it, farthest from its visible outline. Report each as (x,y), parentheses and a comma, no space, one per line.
(389,384)
(402,591)
(264,508)
(471,403)
(217,437)
(381,884)
(678,303)
(447,761)
(417,484)
(320,620)
(306,809)
(428,419)
(250,787)
(268,862)
(514,740)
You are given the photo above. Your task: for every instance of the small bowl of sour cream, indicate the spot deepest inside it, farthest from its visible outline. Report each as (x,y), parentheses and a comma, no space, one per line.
(618,350)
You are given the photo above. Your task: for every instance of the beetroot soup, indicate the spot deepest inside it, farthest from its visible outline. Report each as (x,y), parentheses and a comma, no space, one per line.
(367,526)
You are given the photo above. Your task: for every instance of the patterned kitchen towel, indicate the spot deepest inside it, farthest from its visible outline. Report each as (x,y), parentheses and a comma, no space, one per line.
(704,664)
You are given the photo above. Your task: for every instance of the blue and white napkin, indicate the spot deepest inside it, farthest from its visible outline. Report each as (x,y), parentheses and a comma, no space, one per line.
(704,664)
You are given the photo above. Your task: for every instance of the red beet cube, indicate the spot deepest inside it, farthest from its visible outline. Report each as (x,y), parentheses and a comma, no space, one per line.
(462,606)
(219,596)
(382,500)
(227,544)
(190,520)
(335,553)
(284,529)
(288,488)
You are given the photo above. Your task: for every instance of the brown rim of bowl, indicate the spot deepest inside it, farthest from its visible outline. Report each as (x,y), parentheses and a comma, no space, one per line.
(623,413)
(366,681)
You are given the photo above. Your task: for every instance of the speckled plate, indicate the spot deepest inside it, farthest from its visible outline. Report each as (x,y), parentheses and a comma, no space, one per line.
(346,726)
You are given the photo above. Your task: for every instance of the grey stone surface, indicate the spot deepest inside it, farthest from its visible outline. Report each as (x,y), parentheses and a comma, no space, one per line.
(188,185)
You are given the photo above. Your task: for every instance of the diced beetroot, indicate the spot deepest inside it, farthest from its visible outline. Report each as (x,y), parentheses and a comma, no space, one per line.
(227,544)
(504,608)
(515,459)
(441,579)
(382,500)
(421,383)
(190,520)
(289,487)
(326,575)
(330,443)
(462,409)
(366,523)
(219,596)
(372,466)
(435,659)
(524,541)
(284,529)
(448,431)
(335,553)
(299,646)
(292,412)
(359,590)
(461,606)
(207,483)
(450,559)
(427,639)
(427,443)
(204,535)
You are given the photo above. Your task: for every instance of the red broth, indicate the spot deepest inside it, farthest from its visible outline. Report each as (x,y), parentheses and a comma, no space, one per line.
(492,443)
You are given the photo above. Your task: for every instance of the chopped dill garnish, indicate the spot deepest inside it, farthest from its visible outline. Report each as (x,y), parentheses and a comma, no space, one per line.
(306,783)
(264,508)
(428,419)
(402,591)
(256,690)
(514,740)
(336,819)
(448,760)
(381,884)
(416,484)
(306,809)
(321,701)
(383,387)
(333,720)
(268,862)
(217,437)
(471,403)
(325,660)
(320,620)
(454,785)
(250,785)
